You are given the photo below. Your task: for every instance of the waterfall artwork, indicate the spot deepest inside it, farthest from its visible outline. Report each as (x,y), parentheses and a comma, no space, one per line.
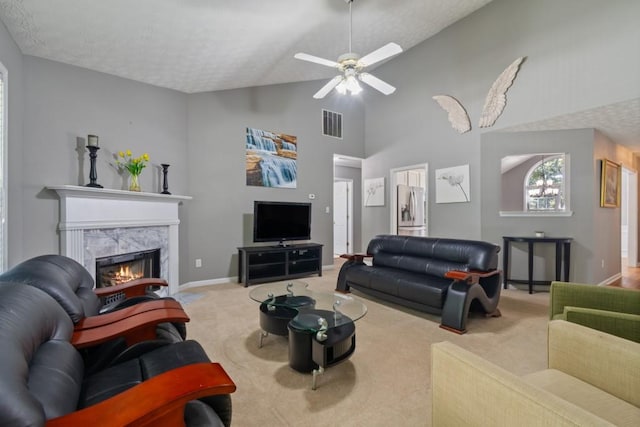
(271,159)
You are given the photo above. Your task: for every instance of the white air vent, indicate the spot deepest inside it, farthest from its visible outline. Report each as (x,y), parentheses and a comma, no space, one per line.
(332,124)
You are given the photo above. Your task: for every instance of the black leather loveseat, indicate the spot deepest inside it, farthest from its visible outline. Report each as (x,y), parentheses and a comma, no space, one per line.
(434,275)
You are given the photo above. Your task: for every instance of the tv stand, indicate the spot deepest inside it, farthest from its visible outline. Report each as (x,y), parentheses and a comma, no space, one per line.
(260,264)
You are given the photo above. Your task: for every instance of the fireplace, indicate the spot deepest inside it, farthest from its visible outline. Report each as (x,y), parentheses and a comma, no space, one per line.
(118,269)
(101,222)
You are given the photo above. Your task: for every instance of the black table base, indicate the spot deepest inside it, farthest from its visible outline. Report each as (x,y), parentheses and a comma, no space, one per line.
(563,259)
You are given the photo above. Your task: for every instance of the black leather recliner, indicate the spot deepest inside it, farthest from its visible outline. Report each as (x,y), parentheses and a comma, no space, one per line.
(71,285)
(42,375)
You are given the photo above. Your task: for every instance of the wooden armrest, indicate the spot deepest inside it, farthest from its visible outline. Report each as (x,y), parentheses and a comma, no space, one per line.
(470,277)
(136,328)
(132,288)
(158,401)
(118,315)
(356,257)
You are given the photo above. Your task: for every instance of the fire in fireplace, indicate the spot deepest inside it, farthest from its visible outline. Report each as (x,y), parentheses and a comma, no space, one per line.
(117,269)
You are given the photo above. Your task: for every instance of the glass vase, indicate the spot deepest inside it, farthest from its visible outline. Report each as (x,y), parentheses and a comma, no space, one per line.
(134,184)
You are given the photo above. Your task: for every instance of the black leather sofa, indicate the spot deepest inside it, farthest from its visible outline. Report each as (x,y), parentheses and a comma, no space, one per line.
(440,276)
(43,380)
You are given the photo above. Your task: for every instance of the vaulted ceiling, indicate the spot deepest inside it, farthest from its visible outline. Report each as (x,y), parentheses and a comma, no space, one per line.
(207,45)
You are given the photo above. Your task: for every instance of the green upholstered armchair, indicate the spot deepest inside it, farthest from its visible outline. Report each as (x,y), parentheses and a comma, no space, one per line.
(608,309)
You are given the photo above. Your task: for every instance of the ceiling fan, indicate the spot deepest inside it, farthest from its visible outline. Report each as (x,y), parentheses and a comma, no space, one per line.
(351,67)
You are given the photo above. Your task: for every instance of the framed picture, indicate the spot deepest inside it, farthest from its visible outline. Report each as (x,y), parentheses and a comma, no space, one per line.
(374,192)
(452,185)
(271,159)
(610,184)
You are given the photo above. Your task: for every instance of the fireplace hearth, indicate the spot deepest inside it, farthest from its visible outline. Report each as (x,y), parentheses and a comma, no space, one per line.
(118,269)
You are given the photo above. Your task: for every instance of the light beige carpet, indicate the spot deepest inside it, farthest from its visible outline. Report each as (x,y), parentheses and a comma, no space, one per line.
(385,382)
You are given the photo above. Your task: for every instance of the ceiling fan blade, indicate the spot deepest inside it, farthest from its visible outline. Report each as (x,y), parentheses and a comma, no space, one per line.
(378,55)
(315,59)
(376,83)
(328,87)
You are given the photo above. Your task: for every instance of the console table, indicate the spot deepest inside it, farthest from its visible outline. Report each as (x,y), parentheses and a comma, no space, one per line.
(259,264)
(563,258)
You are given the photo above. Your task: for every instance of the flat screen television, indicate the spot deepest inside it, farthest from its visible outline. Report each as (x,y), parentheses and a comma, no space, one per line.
(281,221)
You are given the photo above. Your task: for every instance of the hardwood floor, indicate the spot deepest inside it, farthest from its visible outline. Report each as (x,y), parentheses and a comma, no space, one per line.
(630,278)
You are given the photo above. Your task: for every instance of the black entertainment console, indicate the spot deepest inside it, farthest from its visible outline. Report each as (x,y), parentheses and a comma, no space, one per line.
(259,264)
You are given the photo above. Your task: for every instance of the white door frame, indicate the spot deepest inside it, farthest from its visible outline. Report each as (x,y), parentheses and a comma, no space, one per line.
(349,213)
(630,203)
(393,227)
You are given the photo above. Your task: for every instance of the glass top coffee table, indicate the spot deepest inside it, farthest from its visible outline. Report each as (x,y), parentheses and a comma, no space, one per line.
(320,325)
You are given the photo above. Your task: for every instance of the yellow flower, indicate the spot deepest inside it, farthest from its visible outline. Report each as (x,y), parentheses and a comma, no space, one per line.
(133,164)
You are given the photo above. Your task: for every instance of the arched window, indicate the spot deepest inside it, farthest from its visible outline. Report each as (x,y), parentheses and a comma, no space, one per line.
(545,185)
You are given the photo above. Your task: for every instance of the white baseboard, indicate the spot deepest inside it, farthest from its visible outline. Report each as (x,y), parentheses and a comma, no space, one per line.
(207,282)
(610,280)
(210,282)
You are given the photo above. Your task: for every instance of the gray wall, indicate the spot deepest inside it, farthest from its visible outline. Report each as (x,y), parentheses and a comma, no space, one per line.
(582,180)
(220,216)
(569,67)
(354,174)
(11,58)
(63,103)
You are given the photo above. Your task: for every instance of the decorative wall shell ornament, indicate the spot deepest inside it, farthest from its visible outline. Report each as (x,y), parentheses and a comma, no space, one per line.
(496,98)
(457,115)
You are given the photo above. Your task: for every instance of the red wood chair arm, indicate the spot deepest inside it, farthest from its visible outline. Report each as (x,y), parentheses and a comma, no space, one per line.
(158,401)
(470,277)
(136,328)
(132,288)
(356,257)
(118,315)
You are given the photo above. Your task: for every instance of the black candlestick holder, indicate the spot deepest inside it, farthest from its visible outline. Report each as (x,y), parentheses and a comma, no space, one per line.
(165,180)
(93,175)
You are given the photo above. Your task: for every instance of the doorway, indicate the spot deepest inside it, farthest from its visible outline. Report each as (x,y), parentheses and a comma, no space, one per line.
(342,216)
(629,218)
(409,200)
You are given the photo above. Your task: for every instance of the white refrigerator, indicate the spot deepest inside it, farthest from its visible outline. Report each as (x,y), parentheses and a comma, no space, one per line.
(411,211)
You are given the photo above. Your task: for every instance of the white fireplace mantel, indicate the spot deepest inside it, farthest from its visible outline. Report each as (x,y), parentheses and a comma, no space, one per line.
(86,208)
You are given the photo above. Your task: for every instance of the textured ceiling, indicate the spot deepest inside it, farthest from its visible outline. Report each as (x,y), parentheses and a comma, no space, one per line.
(207,45)
(620,122)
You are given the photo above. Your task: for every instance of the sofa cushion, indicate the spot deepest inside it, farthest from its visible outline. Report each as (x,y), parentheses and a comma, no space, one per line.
(110,382)
(123,376)
(172,356)
(463,254)
(427,290)
(586,396)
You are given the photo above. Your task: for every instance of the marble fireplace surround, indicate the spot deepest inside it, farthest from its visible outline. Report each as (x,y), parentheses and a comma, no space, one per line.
(97,222)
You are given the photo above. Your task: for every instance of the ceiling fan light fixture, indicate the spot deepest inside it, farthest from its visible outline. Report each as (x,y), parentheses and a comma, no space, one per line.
(351,67)
(341,88)
(352,85)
